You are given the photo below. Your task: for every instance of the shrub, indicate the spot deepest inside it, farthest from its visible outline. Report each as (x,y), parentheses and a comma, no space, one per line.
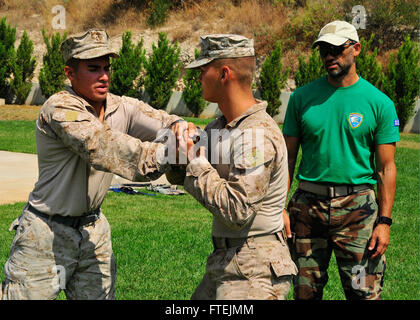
(402,81)
(158,13)
(23,69)
(162,71)
(309,71)
(126,69)
(272,80)
(7,51)
(51,76)
(193,92)
(367,65)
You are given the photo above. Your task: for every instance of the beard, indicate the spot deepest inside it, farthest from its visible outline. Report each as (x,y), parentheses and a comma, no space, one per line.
(340,72)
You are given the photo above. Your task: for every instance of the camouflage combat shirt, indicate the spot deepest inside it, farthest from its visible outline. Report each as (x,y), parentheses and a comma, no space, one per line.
(243,180)
(77,154)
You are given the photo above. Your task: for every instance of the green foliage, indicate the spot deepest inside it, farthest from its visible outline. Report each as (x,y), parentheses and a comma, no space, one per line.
(272,79)
(23,69)
(159,12)
(309,71)
(126,69)
(7,51)
(192,94)
(51,76)
(162,71)
(367,65)
(402,81)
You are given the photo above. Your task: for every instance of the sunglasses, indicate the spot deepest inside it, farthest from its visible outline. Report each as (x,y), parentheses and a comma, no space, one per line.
(325,49)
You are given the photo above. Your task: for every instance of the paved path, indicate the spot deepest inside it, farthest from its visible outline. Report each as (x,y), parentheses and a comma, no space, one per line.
(18,174)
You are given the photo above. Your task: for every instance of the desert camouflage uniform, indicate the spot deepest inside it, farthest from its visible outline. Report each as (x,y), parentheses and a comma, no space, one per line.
(343,225)
(77,157)
(246,196)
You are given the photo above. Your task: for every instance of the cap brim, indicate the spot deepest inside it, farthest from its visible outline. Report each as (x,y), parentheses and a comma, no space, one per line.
(198,63)
(332,39)
(96,53)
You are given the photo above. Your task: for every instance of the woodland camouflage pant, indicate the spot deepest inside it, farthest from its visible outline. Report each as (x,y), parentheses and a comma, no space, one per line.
(343,225)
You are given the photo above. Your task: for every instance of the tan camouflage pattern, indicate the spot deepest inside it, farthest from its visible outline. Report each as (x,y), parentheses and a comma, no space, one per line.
(90,44)
(247,193)
(218,46)
(341,225)
(253,271)
(246,197)
(47,257)
(80,152)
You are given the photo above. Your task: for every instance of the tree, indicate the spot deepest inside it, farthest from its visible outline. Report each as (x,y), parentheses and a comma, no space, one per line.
(126,68)
(367,65)
(162,71)
(309,71)
(192,94)
(51,76)
(23,69)
(7,51)
(402,81)
(273,79)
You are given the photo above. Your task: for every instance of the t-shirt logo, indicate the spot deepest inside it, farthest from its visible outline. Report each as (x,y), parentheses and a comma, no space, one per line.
(355,119)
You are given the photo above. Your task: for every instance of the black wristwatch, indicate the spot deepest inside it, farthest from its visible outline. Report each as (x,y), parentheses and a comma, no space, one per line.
(385,220)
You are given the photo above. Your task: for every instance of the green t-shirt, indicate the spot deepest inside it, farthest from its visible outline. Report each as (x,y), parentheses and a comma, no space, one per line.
(338,129)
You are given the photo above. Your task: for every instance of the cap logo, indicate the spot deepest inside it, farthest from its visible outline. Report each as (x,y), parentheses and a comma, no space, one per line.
(355,120)
(330,29)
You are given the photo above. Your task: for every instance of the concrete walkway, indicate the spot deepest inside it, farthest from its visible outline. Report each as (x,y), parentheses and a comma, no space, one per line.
(19,172)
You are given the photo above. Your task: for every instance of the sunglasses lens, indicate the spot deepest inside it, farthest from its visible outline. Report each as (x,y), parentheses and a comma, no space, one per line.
(333,50)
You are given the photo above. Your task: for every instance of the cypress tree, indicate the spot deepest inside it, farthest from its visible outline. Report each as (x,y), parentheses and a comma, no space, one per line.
(162,71)
(272,79)
(402,81)
(23,69)
(367,65)
(309,71)
(193,93)
(51,76)
(126,69)
(7,52)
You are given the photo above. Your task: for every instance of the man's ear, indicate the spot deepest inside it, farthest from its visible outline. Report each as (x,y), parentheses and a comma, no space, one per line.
(69,72)
(225,73)
(357,48)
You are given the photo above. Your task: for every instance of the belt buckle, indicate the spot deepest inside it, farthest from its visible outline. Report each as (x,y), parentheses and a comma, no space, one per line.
(331,192)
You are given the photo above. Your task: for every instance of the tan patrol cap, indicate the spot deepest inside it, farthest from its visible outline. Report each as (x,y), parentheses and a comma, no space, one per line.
(91,44)
(337,33)
(220,46)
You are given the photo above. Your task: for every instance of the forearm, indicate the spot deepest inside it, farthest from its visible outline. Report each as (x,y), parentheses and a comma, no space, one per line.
(227,200)
(386,187)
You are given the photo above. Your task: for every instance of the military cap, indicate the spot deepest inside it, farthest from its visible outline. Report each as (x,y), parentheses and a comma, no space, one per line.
(220,46)
(93,43)
(337,33)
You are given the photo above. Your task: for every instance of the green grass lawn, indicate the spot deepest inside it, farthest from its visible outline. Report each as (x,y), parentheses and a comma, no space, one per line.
(161,243)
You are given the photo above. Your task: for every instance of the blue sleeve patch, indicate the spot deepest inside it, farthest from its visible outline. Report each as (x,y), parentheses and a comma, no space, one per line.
(396,123)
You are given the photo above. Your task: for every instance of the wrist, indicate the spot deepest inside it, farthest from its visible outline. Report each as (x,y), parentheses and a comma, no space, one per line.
(384,220)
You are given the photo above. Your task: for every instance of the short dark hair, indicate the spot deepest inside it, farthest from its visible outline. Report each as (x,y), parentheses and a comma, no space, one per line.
(73,63)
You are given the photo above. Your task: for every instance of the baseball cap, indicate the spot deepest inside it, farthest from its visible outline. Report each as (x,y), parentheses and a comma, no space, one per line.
(90,44)
(220,46)
(337,33)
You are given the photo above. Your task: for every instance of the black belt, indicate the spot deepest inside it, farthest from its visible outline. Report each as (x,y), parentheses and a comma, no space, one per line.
(332,191)
(74,222)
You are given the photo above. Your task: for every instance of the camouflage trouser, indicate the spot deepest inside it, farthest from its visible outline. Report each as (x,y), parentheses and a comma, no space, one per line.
(46,257)
(344,224)
(255,270)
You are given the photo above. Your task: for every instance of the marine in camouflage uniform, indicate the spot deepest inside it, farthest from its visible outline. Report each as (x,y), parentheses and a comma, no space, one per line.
(341,122)
(242,182)
(62,239)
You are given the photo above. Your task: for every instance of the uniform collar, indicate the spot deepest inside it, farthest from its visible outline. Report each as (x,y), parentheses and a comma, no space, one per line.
(260,105)
(112,101)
